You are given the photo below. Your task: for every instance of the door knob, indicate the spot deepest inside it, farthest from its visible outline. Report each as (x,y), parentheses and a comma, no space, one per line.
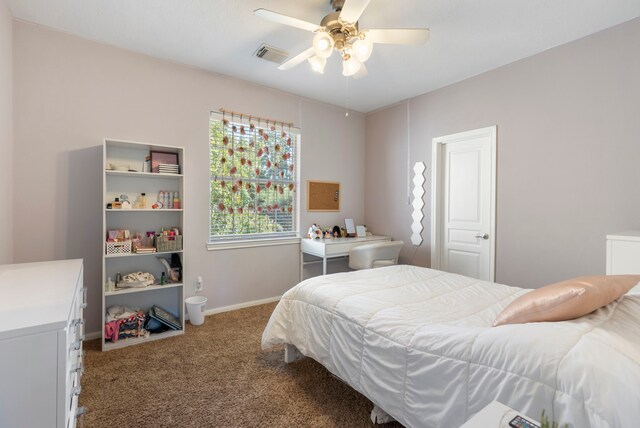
(483,236)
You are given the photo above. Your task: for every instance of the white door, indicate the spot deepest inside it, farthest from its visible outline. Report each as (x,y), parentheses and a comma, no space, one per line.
(463,202)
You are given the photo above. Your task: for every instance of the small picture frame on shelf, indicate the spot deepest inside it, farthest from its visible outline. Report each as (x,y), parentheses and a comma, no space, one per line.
(165,158)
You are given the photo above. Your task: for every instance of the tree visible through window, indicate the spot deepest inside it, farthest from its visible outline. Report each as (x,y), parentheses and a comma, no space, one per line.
(253,178)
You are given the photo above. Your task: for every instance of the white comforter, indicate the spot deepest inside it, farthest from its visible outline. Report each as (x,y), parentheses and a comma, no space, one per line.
(419,344)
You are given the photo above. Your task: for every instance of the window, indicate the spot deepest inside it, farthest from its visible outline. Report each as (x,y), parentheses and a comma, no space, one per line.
(253,167)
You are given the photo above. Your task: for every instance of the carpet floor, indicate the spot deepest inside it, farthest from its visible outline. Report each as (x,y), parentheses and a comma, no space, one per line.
(215,375)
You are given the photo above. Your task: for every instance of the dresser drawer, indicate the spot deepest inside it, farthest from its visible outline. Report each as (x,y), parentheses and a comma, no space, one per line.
(75,412)
(71,419)
(74,364)
(74,374)
(342,249)
(76,328)
(71,408)
(338,249)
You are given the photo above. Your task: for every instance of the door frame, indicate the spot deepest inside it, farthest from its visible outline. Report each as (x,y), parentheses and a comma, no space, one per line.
(437,150)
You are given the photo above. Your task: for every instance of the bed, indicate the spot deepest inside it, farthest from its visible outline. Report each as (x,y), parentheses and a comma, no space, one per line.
(419,344)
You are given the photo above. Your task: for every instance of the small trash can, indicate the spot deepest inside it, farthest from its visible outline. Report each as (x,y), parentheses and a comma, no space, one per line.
(196,305)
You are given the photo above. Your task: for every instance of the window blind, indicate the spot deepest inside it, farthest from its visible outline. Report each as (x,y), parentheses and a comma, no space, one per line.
(253,178)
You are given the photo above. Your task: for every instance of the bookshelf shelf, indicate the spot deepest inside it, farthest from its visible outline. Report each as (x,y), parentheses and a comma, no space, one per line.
(138,340)
(141,290)
(157,253)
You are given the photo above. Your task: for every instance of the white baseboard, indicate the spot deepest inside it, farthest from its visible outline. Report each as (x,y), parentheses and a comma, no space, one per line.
(92,335)
(239,306)
(96,334)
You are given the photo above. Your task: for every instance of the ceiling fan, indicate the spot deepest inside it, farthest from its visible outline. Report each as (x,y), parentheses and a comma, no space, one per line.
(339,31)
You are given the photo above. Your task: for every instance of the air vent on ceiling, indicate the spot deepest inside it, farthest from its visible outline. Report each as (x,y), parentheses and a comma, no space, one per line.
(271,54)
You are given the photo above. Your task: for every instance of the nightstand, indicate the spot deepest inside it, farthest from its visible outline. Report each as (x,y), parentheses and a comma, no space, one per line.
(623,253)
(495,415)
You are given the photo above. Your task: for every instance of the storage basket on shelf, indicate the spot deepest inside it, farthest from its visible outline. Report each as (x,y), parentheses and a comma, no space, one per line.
(168,243)
(120,247)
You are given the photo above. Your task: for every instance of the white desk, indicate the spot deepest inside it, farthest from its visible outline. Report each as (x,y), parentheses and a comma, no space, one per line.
(333,247)
(495,415)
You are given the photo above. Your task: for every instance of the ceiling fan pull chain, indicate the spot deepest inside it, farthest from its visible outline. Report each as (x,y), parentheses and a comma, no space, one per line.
(346,101)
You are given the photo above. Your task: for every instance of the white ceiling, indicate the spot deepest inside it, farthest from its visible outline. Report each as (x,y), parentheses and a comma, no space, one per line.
(468,37)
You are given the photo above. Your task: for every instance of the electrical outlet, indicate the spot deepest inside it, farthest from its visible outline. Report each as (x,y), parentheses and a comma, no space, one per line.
(198,284)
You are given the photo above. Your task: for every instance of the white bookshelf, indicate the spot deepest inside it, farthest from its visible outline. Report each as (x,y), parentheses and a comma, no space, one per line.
(132,182)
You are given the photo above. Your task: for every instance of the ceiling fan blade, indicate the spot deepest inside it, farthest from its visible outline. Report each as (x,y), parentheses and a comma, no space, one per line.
(401,36)
(286,20)
(296,59)
(352,10)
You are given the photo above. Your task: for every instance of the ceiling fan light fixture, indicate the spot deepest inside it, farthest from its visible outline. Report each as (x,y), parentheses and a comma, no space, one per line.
(323,44)
(340,31)
(350,66)
(362,48)
(317,64)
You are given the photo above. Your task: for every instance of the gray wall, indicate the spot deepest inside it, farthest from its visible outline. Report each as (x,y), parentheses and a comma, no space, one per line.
(71,93)
(568,154)
(6,132)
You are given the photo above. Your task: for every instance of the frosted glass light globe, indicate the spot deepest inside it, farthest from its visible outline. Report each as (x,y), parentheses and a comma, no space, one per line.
(323,44)
(317,64)
(362,49)
(351,66)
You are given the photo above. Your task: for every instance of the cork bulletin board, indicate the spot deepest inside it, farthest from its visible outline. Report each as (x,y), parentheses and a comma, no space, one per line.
(323,196)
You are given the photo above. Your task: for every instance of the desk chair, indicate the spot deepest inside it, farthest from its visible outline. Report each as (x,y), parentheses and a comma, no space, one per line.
(375,255)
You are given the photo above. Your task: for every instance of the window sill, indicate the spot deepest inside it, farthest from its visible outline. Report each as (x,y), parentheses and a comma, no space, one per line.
(251,243)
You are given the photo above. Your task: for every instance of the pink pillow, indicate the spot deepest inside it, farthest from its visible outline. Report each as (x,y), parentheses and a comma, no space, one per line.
(566,300)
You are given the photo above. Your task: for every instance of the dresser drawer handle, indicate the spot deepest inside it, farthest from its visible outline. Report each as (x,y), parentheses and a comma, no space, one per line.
(78,368)
(84,298)
(80,331)
(76,390)
(75,346)
(80,411)
(76,322)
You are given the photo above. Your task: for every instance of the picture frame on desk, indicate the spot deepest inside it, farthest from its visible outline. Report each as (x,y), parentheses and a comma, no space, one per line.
(350,226)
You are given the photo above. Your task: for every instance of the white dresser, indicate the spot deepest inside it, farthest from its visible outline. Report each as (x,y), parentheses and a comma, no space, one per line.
(623,253)
(41,333)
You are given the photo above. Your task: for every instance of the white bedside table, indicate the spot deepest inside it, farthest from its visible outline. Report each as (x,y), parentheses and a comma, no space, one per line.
(495,415)
(623,253)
